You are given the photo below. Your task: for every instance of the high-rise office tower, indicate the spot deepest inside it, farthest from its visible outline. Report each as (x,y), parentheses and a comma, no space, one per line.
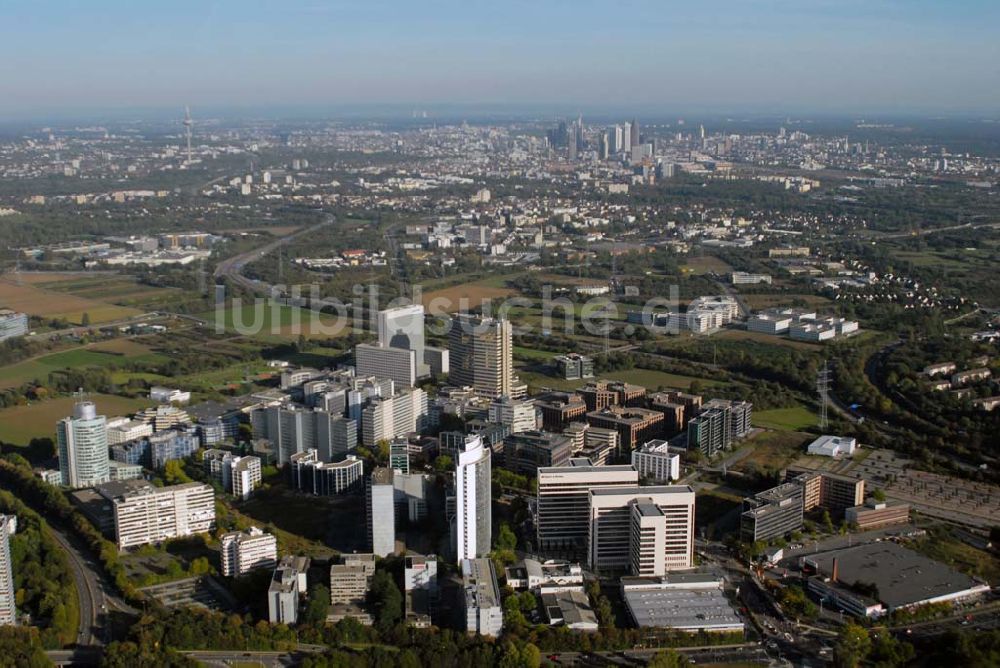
(403,327)
(626,143)
(603,146)
(664,520)
(473,513)
(398,364)
(380,503)
(572,144)
(8,607)
(615,139)
(83,447)
(564,502)
(634,133)
(481,355)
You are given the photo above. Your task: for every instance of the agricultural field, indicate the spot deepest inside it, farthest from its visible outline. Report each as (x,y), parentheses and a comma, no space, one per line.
(467,295)
(706,264)
(105,353)
(46,303)
(785,419)
(20,424)
(273,321)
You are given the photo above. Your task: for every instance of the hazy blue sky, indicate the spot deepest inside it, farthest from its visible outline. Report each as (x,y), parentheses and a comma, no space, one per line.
(674,55)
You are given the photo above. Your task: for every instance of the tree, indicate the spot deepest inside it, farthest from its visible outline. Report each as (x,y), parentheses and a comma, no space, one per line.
(173,472)
(669,659)
(85,320)
(443,464)
(506,538)
(385,600)
(853,646)
(890,652)
(879,496)
(318,606)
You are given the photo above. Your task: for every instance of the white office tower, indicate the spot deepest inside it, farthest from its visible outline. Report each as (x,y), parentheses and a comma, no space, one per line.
(292,430)
(380,361)
(648,539)
(481,356)
(8,607)
(403,328)
(564,502)
(380,500)
(156,514)
(611,526)
(238,476)
(83,447)
(245,551)
(473,513)
(518,414)
(386,418)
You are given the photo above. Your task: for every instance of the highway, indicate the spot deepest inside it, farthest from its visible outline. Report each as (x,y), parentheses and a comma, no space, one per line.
(232,267)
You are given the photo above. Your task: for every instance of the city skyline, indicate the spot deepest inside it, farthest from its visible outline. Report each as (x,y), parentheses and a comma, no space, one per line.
(888,57)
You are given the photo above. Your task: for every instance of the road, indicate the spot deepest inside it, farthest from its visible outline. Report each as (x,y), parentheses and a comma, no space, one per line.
(232,267)
(94,591)
(88,589)
(81,330)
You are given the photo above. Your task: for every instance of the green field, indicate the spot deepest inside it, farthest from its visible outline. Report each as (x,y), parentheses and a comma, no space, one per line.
(19,424)
(277,321)
(785,419)
(92,356)
(648,378)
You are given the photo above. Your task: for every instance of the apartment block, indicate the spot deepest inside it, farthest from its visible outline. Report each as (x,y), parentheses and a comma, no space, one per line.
(8,600)
(244,551)
(154,514)
(325,478)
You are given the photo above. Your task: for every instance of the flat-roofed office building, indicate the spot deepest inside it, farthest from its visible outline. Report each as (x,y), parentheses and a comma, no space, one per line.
(564,502)
(609,541)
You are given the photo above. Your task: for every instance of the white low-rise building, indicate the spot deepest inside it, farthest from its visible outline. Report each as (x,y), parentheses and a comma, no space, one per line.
(833,446)
(655,461)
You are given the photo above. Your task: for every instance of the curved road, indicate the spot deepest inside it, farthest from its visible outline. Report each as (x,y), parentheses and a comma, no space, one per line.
(232,268)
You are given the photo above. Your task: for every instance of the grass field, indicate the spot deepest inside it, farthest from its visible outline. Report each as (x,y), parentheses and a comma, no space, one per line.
(105,353)
(774,449)
(945,547)
(761,337)
(761,301)
(18,425)
(646,377)
(273,320)
(38,301)
(785,419)
(706,264)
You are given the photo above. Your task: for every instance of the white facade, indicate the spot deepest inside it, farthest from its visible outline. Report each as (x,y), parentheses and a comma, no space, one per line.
(8,607)
(168,395)
(155,514)
(403,328)
(123,430)
(564,501)
(473,511)
(609,545)
(655,461)
(83,447)
(381,507)
(244,551)
(518,414)
(833,446)
(397,364)
(388,417)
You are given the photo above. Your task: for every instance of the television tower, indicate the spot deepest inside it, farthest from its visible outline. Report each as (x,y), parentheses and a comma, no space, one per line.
(187,131)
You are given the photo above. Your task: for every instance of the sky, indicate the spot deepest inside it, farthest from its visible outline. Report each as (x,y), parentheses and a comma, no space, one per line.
(835,56)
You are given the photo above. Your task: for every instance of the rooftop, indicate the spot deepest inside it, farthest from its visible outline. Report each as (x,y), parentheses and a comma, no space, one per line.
(903,577)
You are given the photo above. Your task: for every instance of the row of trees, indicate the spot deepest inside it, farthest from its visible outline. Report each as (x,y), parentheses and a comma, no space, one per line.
(44,585)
